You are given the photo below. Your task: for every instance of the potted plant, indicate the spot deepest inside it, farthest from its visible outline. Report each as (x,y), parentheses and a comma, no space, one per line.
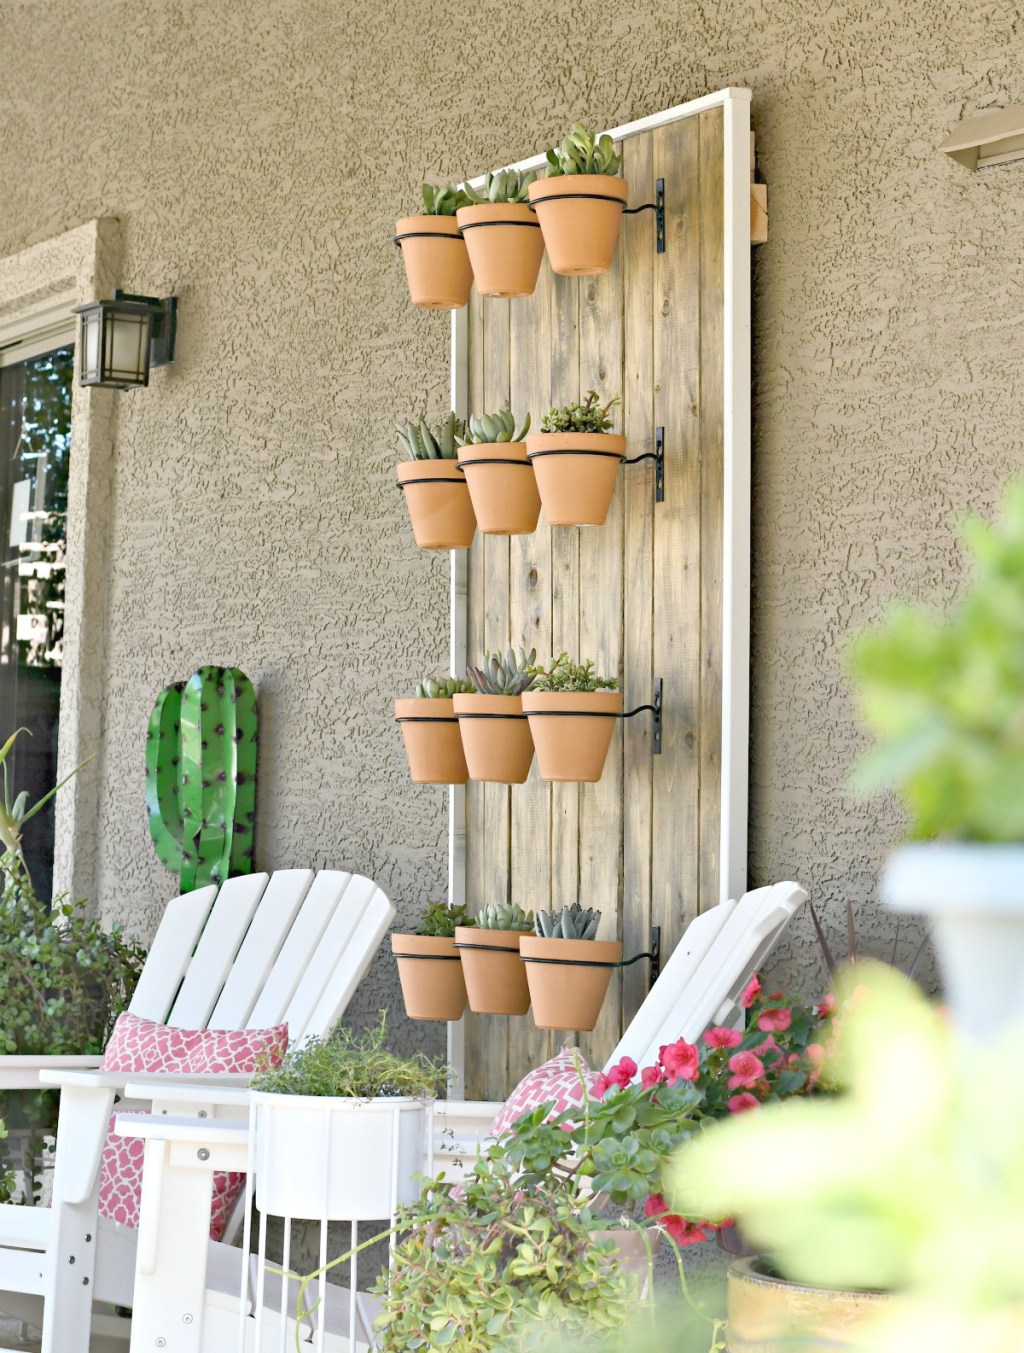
(434,486)
(579,204)
(495,735)
(942,694)
(576,457)
(429,970)
(331,1122)
(502,235)
(434,253)
(500,478)
(495,978)
(571,712)
(430,732)
(568,968)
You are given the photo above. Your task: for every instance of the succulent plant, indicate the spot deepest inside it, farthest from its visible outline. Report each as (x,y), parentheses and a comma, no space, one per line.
(443,201)
(590,416)
(504,185)
(504,916)
(493,427)
(420,443)
(443,688)
(504,676)
(440,920)
(583,153)
(571,923)
(564,675)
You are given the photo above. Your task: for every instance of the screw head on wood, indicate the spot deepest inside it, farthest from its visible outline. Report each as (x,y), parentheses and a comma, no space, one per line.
(203,1154)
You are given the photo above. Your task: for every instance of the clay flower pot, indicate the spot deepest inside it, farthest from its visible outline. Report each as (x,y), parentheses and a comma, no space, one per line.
(505,497)
(505,247)
(770,1312)
(431,976)
(572,748)
(439,504)
(495,976)
(565,996)
(498,746)
(579,216)
(433,744)
(575,474)
(436,261)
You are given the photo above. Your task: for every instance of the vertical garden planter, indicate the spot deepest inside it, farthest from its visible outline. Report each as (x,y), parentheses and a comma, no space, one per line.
(572,731)
(502,486)
(495,737)
(580,216)
(439,505)
(432,740)
(436,262)
(430,972)
(569,983)
(576,474)
(505,247)
(495,975)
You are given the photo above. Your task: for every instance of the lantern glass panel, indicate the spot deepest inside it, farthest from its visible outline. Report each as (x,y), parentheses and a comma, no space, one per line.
(126,347)
(90,345)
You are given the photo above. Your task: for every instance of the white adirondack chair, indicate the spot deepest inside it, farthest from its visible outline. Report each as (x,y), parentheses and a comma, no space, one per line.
(181,1275)
(267,949)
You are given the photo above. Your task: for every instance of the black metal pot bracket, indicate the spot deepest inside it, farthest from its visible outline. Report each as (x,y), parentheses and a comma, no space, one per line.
(655,709)
(653,954)
(658,207)
(658,456)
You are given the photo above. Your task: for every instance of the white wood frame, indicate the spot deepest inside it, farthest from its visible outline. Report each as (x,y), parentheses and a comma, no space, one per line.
(735,104)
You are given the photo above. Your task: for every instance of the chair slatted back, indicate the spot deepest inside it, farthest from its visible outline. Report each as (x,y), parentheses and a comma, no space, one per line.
(171,953)
(263,941)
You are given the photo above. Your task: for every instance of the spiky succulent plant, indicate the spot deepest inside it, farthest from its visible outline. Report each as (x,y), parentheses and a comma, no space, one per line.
(504,916)
(504,676)
(439,919)
(419,442)
(590,416)
(443,201)
(493,427)
(504,185)
(571,923)
(583,153)
(443,688)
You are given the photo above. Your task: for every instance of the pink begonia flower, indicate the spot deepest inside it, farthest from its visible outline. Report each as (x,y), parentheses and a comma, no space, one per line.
(681,1060)
(651,1076)
(750,992)
(723,1038)
(600,1087)
(680,1230)
(621,1074)
(768,1048)
(746,1068)
(827,1006)
(770,1021)
(745,1100)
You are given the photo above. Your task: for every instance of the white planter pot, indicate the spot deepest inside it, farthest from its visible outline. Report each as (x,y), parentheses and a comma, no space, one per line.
(973,895)
(326,1159)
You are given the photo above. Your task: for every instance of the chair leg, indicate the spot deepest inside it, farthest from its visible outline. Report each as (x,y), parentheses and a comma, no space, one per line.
(71,1263)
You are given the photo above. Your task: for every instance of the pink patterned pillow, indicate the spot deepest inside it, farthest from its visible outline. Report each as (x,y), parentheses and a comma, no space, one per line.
(139,1045)
(566,1079)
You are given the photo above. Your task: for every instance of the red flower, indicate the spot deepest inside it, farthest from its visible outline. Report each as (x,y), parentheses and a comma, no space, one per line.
(746,1068)
(723,1038)
(745,1100)
(771,1020)
(681,1231)
(651,1076)
(601,1086)
(681,1060)
(826,1007)
(750,992)
(620,1075)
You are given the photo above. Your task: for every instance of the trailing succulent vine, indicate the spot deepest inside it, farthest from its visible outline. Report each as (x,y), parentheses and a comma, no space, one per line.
(443,688)
(590,416)
(562,674)
(504,676)
(503,185)
(504,916)
(443,201)
(582,153)
(493,427)
(571,923)
(419,442)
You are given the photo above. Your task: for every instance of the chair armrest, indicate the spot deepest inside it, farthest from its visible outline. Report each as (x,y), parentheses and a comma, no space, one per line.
(84,1080)
(184,1092)
(195,1131)
(22,1071)
(457,1109)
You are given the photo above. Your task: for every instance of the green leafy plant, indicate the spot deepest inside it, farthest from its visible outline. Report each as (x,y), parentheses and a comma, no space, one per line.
(571,923)
(353,1066)
(504,676)
(590,416)
(583,153)
(942,695)
(493,427)
(564,675)
(15,809)
(443,688)
(444,201)
(503,185)
(439,919)
(419,442)
(504,916)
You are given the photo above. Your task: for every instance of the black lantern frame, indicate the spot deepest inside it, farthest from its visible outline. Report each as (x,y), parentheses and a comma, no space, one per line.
(120,340)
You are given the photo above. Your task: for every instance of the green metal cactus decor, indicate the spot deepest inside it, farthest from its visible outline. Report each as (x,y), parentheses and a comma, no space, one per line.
(201,776)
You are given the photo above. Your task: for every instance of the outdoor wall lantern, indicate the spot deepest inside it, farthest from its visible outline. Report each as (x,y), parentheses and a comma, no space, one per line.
(988,138)
(119,340)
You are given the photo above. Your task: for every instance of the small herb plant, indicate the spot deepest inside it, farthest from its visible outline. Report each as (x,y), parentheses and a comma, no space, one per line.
(352,1066)
(443,688)
(439,919)
(419,442)
(590,416)
(443,201)
(504,676)
(583,153)
(504,185)
(564,675)
(504,916)
(493,427)
(571,923)
(942,694)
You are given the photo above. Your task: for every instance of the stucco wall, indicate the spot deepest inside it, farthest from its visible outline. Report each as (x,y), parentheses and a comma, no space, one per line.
(257,155)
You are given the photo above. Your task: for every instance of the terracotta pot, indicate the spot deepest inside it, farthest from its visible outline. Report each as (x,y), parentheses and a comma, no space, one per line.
(505,247)
(565,996)
(573,748)
(433,744)
(439,504)
(495,976)
(766,1313)
(505,497)
(431,976)
(575,474)
(497,749)
(436,262)
(580,232)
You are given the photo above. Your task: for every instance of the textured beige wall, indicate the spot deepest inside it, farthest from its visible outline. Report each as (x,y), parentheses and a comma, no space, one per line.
(257,154)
